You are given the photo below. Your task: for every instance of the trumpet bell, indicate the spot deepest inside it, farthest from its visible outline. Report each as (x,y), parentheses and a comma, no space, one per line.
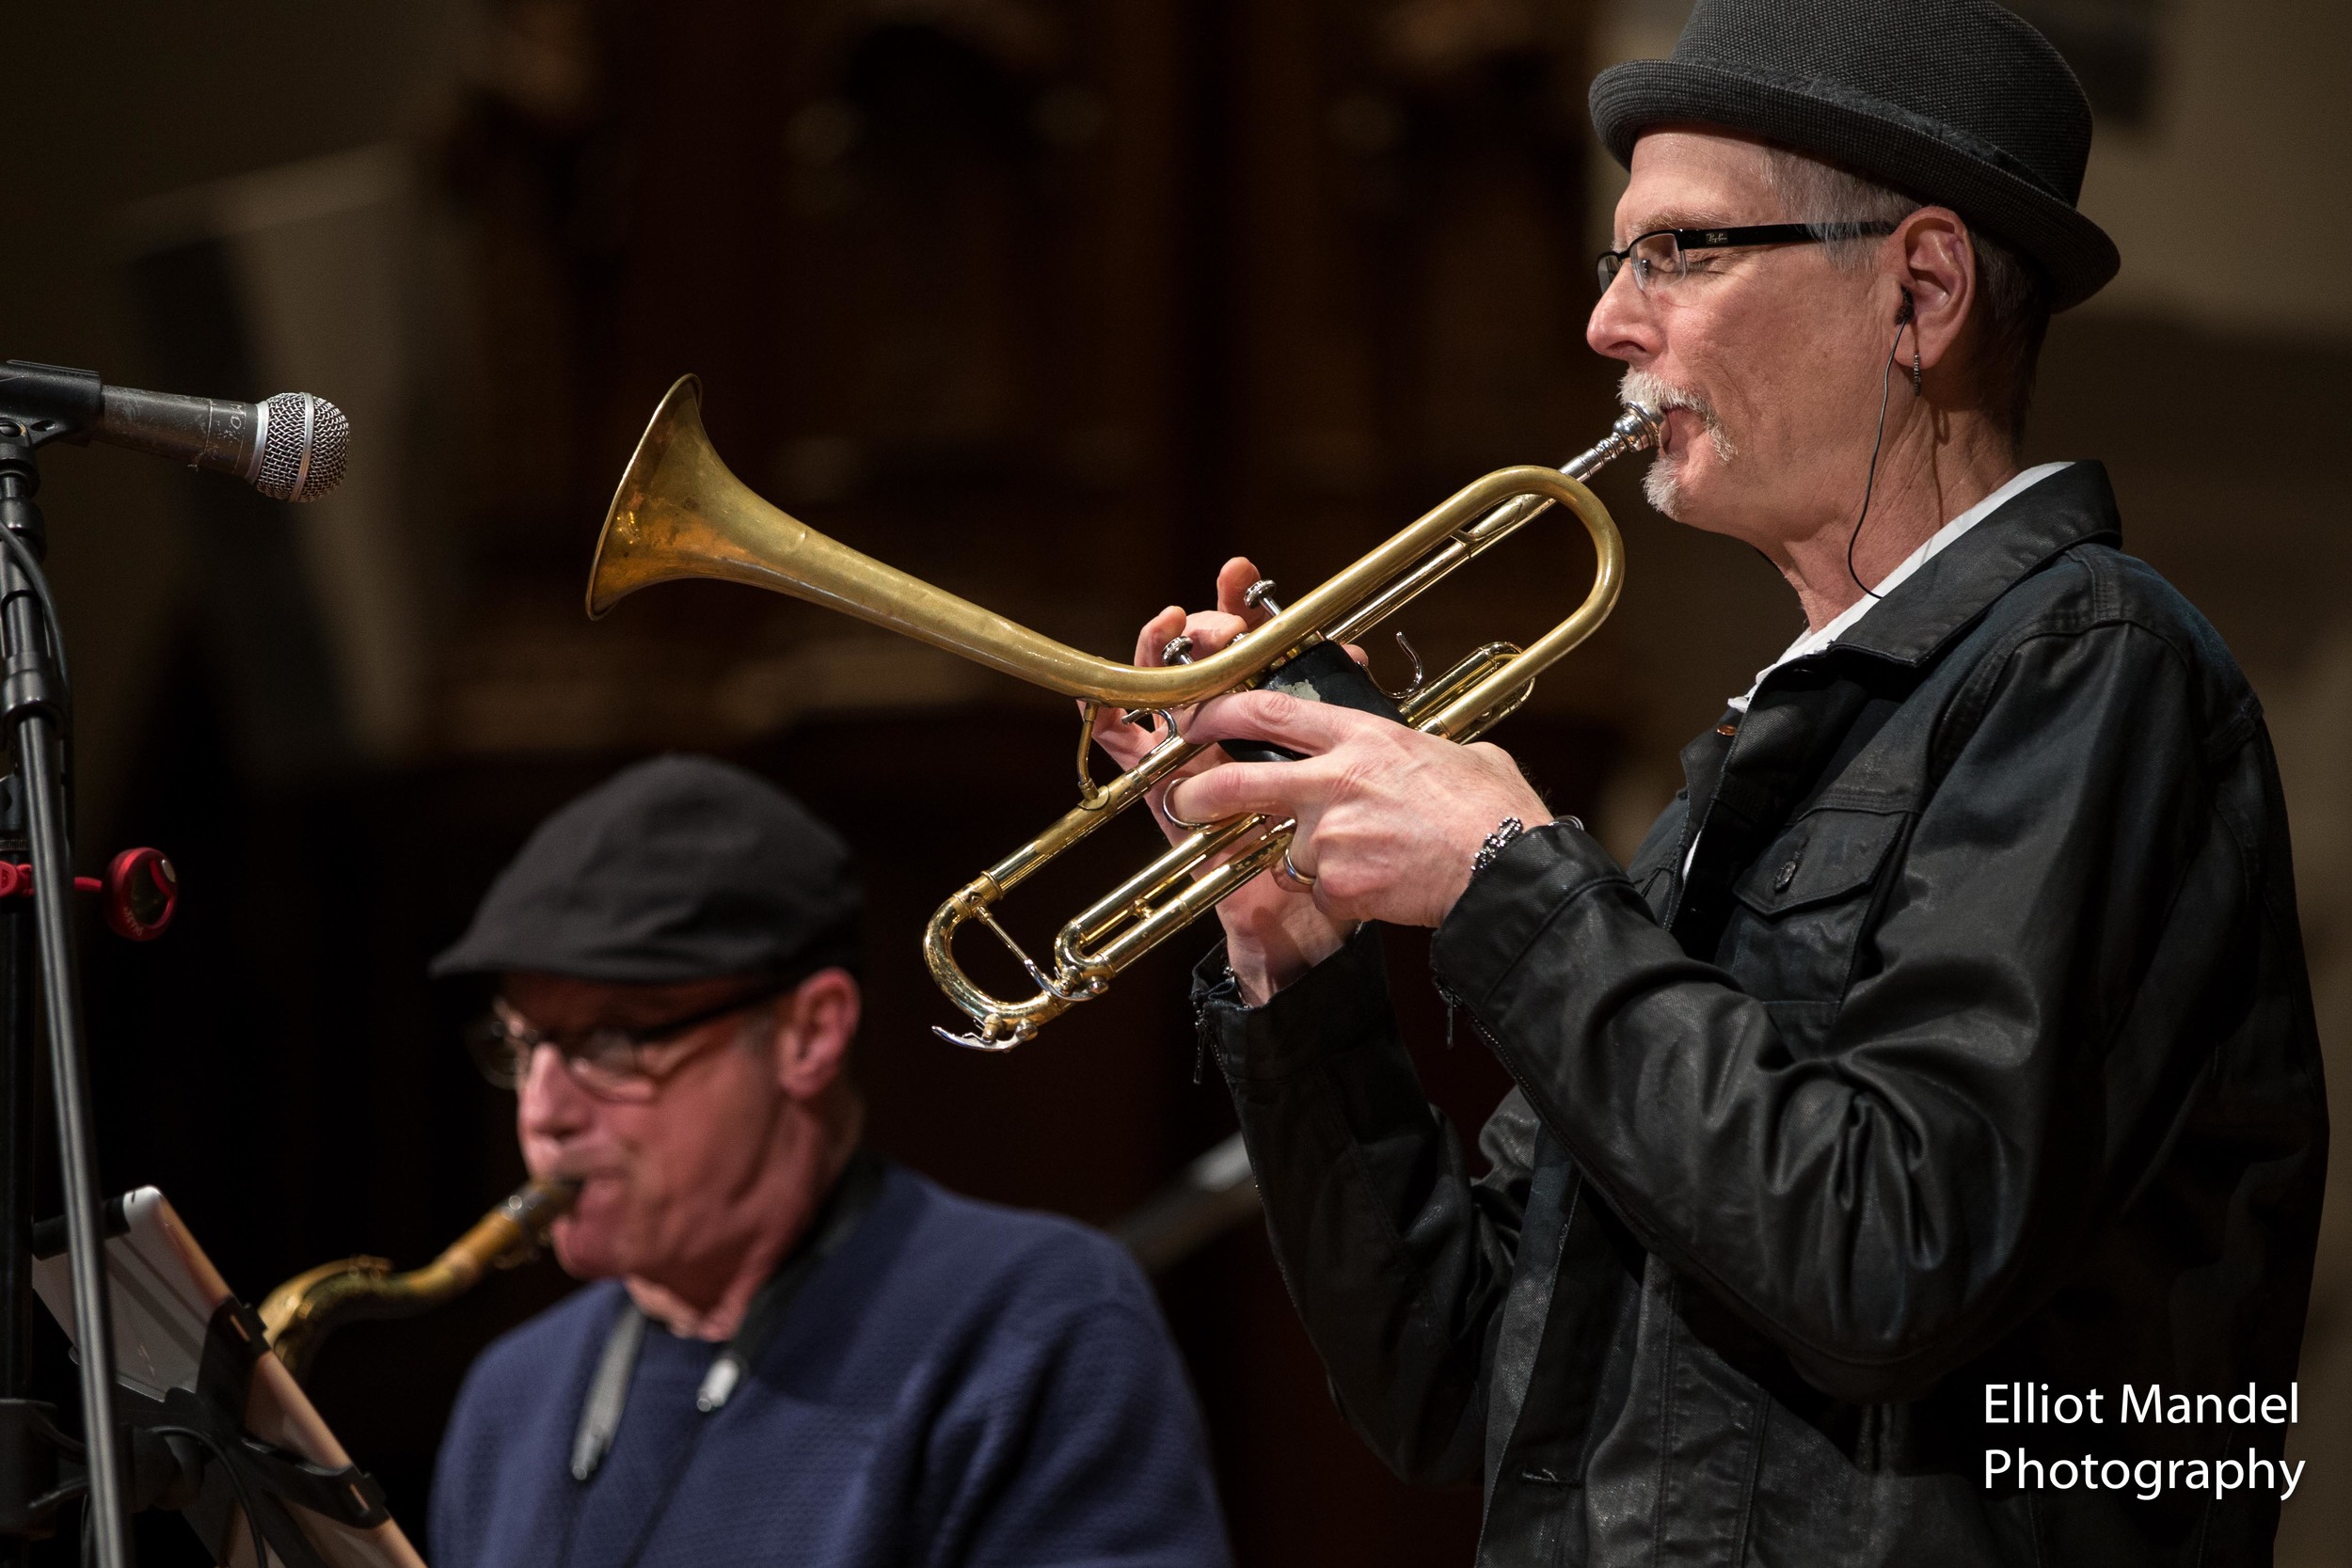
(679,513)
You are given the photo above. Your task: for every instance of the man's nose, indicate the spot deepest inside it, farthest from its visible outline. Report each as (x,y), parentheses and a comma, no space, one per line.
(1624,325)
(552,1105)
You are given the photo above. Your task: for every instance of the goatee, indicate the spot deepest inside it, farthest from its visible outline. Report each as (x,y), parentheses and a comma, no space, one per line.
(1662,485)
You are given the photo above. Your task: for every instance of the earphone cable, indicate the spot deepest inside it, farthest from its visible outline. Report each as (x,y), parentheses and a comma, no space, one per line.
(1886,387)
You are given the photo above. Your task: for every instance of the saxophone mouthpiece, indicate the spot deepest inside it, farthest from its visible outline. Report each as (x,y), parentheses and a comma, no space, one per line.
(537,1205)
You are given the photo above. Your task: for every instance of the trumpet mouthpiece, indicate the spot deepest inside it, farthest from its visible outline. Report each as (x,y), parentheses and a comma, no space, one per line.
(1637,429)
(1639,426)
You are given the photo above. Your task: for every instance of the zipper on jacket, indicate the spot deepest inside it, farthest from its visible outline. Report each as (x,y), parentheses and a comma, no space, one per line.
(1201,1028)
(1452,1005)
(1478,1027)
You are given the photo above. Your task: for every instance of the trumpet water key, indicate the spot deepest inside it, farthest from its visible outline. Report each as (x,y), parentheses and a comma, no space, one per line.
(680,514)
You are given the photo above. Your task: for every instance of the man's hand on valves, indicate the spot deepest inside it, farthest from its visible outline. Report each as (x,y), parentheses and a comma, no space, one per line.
(1389,820)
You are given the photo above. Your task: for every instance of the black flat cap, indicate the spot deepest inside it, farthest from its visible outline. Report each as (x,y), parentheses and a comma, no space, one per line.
(682,868)
(1958,102)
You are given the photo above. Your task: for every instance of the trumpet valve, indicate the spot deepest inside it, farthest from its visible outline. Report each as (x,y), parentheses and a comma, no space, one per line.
(1260,596)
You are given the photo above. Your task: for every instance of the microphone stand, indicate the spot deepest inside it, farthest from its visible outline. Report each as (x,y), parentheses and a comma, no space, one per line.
(18,1121)
(33,702)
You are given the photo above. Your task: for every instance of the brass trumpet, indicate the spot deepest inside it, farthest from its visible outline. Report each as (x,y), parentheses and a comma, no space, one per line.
(679,513)
(302,1312)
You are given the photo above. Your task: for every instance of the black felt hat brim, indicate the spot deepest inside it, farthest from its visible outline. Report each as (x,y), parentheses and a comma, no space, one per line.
(1921,157)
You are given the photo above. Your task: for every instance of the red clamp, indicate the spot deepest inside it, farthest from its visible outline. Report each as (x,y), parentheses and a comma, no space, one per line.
(140,888)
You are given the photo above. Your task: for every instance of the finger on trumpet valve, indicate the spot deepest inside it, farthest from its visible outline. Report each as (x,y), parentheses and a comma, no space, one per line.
(1260,596)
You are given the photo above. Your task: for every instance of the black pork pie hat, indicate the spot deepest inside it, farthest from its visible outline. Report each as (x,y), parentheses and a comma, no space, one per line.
(680,868)
(1958,103)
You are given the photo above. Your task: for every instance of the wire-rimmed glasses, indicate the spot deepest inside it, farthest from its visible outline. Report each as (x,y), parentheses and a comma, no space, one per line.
(608,1063)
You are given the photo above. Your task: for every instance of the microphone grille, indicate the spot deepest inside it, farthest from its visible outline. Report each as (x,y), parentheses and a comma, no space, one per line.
(303,442)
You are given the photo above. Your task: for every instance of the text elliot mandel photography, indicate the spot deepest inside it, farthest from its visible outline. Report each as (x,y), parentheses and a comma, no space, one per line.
(2032,1404)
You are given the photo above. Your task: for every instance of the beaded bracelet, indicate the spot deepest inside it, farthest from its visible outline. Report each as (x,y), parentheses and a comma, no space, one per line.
(1505,830)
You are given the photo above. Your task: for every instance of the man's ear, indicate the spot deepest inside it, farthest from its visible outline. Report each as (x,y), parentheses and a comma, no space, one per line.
(814,1023)
(1936,268)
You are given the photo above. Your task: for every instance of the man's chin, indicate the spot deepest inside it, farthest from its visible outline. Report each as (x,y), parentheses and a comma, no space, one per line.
(1662,486)
(1695,500)
(586,1252)
(1673,489)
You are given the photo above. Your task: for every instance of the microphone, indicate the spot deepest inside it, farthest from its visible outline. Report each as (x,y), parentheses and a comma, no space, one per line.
(289,447)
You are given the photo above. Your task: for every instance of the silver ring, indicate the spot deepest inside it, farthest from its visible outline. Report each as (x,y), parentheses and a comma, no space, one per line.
(1169,812)
(1304,880)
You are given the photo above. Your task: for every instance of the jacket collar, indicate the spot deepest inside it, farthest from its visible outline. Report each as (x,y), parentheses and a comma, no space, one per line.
(1743,786)
(1937,602)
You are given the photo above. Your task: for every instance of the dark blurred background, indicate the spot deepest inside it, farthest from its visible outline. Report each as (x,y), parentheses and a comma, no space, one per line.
(1055,302)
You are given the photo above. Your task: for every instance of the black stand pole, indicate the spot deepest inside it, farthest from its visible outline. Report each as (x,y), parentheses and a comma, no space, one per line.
(17,1126)
(31,704)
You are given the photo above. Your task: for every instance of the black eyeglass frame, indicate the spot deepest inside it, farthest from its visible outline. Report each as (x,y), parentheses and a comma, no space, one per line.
(1610,262)
(504,1054)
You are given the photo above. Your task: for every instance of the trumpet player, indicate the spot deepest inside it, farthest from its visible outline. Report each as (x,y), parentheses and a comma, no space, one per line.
(795,1354)
(1949,1035)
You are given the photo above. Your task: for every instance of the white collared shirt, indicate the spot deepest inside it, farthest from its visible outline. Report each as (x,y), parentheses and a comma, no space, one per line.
(1814,641)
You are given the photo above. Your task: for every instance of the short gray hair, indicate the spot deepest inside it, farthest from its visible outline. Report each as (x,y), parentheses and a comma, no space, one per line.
(2012,309)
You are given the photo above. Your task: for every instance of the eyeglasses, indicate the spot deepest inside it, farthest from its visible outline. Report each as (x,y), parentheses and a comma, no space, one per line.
(1659,257)
(608,1063)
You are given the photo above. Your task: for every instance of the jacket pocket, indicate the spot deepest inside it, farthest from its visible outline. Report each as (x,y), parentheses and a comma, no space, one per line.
(1802,905)
(1825,856)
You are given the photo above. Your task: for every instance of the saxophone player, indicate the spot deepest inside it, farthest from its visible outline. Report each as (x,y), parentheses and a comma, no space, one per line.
(1948,1037)
(794,1353)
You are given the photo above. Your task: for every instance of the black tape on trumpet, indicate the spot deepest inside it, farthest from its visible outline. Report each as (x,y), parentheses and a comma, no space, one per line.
(1324,674)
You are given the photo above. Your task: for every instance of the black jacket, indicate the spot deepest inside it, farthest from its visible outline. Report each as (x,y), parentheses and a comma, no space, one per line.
(1977,1049)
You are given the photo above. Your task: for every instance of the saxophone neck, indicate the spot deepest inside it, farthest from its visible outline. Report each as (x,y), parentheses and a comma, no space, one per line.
(300,1313)
(507,1237)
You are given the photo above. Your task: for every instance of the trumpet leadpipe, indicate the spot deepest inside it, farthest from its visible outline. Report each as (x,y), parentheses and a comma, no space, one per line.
(1636,428)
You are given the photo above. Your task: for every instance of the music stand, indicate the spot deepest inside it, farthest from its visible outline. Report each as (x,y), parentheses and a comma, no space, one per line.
(195,1367)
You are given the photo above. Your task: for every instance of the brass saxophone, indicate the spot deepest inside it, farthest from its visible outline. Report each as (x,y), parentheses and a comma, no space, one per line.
(302,1312)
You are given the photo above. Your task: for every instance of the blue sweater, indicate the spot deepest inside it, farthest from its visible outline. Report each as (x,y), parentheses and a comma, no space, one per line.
(958,1385)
